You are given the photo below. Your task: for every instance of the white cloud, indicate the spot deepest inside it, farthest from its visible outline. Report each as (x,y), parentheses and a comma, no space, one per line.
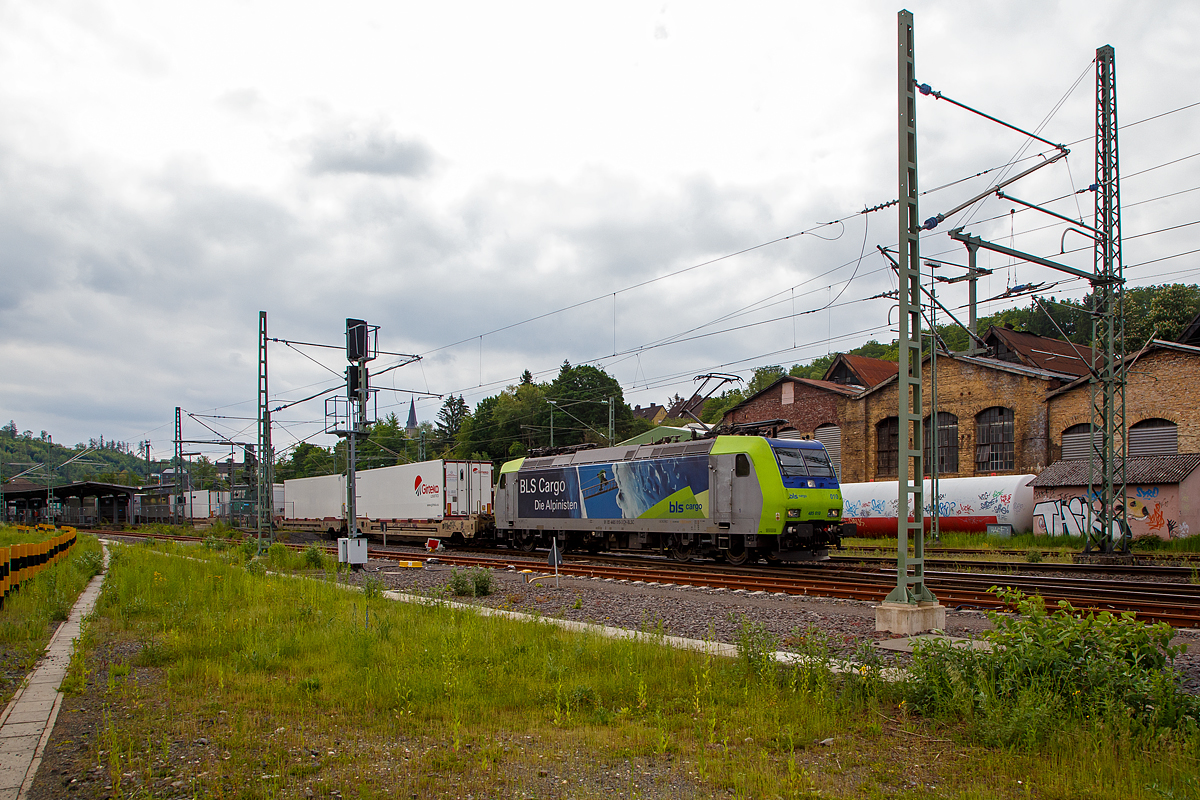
(447,172)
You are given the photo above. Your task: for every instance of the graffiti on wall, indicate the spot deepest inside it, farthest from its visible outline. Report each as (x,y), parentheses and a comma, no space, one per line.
(1147,512)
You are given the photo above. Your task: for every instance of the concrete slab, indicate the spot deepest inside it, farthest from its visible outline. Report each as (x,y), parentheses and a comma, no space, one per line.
(15,729)
(16,744)
(905,644)
(907,619)
(23,715)
(12,775)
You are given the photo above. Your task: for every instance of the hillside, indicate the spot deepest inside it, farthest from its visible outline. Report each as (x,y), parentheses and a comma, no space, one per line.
(109,461)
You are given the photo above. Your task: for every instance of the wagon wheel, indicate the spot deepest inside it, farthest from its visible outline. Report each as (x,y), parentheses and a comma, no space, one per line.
(737,554)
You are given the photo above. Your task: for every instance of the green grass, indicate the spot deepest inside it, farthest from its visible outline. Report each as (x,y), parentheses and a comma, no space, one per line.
(32,612)
(299,684)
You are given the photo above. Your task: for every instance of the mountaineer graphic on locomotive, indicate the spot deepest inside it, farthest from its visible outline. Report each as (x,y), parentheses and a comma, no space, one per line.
(733,498)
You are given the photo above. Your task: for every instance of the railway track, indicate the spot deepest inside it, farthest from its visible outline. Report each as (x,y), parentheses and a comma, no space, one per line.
(1174,603)
(954,552)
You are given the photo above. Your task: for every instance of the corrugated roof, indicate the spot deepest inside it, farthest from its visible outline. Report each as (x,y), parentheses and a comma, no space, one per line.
(848,391)
(1053,355)
(1143,469)
(871,371)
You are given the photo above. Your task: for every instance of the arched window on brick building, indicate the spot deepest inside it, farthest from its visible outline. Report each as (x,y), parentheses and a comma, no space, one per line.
(1076,442)
(887,433)
(994,438)
(1153,437)
(947,440)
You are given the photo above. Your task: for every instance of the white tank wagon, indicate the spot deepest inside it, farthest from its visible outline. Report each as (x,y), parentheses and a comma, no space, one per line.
(440,499)
(964,504)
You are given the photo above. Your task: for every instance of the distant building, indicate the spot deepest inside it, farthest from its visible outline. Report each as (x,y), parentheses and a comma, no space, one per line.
(653,413)
(411,427)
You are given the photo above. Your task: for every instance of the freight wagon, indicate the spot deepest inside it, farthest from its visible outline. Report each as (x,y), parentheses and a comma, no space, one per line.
(964,504)
(440,499)
(734,498)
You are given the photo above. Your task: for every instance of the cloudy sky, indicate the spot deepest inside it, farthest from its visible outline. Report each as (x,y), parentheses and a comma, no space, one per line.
(502,186)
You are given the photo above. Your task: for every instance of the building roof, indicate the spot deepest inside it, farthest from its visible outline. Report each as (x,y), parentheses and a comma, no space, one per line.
(411,426)
(662,432)
(981,361)
(679,410)
(869,371)
(828,386)
(1151,346)
(1042,352)
(77,489)
(1142,469)
(848,391)
(649,412)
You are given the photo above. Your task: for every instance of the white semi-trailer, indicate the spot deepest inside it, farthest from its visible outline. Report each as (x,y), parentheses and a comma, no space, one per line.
(431,499)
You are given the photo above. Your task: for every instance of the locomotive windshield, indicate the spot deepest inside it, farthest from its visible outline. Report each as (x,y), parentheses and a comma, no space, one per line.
(795,462)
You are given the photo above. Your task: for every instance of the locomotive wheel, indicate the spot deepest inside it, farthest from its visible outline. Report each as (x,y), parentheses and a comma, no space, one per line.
(524,541)
(737,556)
(680,551)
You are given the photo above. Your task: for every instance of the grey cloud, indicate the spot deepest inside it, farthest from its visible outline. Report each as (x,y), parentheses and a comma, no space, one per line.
(241,101)
(373,153)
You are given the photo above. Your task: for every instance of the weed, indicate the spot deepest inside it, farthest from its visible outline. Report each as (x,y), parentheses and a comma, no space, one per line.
(578,602)
(314,557)
(756,649)
(1033,555)
(372,587)
(474,582)
(256,568)
(278,555)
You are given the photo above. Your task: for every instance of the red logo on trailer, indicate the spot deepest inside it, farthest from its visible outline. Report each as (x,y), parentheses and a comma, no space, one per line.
(425,488)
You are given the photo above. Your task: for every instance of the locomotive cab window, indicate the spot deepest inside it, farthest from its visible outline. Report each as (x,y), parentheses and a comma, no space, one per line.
(791,462)
(818,464)
(741,465)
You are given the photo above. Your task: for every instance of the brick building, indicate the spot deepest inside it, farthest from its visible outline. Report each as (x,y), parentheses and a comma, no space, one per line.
(813,410)
(1161,412)
(997,414)
(991,420)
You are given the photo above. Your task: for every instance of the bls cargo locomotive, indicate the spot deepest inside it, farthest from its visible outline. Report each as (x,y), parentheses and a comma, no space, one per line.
(733,498)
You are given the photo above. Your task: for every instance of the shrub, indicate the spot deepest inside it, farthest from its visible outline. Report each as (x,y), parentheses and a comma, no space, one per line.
(1046,668)
(1033,555)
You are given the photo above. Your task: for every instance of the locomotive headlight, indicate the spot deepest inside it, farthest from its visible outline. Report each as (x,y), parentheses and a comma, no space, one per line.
(793,513)
(834,513)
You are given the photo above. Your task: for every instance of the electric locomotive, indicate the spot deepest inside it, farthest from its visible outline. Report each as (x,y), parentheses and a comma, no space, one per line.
(733,498)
